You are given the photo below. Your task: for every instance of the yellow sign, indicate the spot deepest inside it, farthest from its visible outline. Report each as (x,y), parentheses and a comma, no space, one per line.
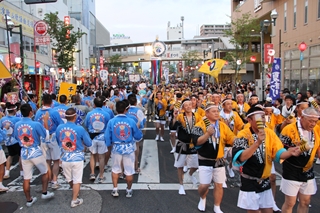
(67,89)
(212,67)
(135,64)
(17,17)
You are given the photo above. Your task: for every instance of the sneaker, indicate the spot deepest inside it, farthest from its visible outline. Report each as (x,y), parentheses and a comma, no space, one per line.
(318,161)
(121,176)
(101,180)
(47,196)
(224,185)
(161,139)
(3,188)
(173,150)
(115,193)
(181,190)
(92,177)
(157,138)
(29,204)
(76,202)
(129,193)
(230,171)
(55,185)
(6,176)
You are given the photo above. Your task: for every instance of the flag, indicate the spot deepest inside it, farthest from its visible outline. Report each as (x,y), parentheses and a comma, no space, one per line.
(156,74)
(275,84)
(67,89)
(212,67)
(5,75)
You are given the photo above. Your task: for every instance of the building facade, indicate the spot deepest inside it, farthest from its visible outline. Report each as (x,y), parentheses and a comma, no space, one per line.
(174,33)
(210,30)
(297,22)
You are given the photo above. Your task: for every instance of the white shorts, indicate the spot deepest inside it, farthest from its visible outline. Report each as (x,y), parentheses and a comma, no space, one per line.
(98,146)
(190,160)
(3,158)
(208,173)
(51,150)
(27,166)
(291,187)
(173,131)
(126,160)
(255,201)
(160,121)
(73,171)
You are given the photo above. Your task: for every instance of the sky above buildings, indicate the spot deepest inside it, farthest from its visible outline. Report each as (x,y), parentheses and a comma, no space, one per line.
(143,20)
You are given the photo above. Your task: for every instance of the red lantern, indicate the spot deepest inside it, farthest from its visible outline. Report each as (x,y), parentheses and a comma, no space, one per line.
(82,70)
(37,64)
(253,58)
(60,70)
(302,46)
(226,63)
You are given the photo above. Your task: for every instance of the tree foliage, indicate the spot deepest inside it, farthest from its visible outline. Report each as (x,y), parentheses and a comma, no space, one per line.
(65,46)
(114,62)
(190,57)
(243,31)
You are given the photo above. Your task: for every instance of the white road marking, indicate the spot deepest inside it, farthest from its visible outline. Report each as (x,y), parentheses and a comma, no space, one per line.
(149,166)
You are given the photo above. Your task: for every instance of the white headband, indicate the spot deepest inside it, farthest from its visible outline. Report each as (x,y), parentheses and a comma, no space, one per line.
(70,115)
(254,113)
(312,116)
(302,103)
(212,106)
(12,108)
(225,100)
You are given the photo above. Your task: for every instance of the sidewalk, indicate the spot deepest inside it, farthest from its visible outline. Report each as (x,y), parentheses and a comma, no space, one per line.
(16,202)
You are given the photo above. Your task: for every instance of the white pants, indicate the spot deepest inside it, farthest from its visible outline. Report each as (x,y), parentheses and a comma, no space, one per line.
(73,171)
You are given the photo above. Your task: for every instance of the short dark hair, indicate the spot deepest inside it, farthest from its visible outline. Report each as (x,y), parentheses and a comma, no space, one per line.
(25,110)
(90,92)
(121,107)
(98,93)
(47,100)
(132,99)
(70,111)
(310,91)
(63,99)
(31,96)
(53,96)
(98,102)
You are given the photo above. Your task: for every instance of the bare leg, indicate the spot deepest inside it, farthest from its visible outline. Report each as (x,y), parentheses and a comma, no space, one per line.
(55,170)
(157,128)
(45,180)
(75,191)
(115,178)
(161,130)
(173,138)
(1,172)
(192,170)
(180,175)
(217,193)
(129,179)
(203,190)
(136,164)
(26,189)
(289,203)
(92,162)
(272,179)
(49,170)
(8,163)
(101,165)
(304,201)
(108,154)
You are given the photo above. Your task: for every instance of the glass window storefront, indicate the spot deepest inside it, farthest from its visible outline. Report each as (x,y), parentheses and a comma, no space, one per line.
(305,74)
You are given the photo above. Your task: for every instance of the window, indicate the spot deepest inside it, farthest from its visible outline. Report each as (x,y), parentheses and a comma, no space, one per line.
(285,16)
(319,9)
(294,13)
(306,11)
(3,37)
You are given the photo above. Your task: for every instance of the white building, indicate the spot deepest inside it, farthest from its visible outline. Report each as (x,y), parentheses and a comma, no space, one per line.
(174,33)
(211,30)
(119,38)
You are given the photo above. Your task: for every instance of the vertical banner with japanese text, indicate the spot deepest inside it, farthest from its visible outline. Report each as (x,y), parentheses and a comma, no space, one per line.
(275,84)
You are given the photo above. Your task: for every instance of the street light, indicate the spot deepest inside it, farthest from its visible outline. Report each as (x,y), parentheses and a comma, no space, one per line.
(9,27)
(264,30)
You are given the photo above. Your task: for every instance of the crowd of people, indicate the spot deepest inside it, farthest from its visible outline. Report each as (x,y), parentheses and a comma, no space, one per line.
(213,129)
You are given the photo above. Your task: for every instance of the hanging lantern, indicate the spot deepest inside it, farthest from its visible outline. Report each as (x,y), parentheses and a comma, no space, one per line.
(302,46)
(253,58)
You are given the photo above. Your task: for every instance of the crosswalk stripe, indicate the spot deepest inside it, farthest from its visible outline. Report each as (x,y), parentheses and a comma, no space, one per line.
(150,172)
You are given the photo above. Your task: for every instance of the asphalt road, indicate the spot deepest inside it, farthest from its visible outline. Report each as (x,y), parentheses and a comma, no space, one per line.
(155,188)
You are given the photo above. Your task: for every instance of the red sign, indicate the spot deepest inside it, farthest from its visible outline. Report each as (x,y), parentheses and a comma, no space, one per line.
(268,59)
(42,40)
(40,28)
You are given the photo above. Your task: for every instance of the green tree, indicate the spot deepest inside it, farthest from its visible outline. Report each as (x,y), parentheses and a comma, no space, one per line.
(190,57)
(114,62)
(65,46)
(242,32)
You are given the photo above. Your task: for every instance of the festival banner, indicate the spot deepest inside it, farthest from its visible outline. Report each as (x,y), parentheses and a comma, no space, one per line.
(156,71)
(12,97)
(67,89)
(202,81)
(275,84)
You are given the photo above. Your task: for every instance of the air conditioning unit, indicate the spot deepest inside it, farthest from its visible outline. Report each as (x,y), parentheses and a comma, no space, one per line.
(40,10)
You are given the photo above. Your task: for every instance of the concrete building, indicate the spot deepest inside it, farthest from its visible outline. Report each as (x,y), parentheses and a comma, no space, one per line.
(103,35)
(211,30)
(297,22)
(119,38)
(174,33)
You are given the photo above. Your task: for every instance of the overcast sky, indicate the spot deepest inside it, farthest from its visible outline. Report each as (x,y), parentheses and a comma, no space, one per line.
(143,20)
